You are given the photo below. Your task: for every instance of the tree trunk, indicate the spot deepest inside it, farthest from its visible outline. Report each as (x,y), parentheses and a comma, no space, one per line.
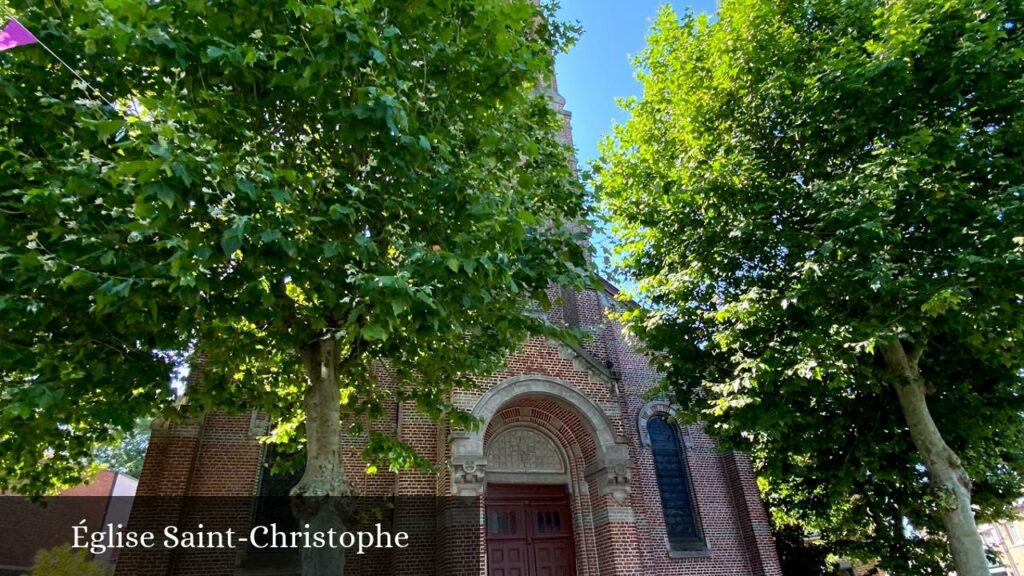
(323,483)
(949,479)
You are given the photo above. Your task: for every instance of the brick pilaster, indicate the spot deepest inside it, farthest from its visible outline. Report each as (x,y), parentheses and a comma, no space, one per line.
(750,513)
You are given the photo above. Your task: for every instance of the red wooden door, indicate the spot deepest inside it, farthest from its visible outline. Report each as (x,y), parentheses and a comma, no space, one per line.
(529,531)
(507,554)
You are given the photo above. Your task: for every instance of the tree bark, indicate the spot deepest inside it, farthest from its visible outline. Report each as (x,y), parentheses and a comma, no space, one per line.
(317,495)
(949,479)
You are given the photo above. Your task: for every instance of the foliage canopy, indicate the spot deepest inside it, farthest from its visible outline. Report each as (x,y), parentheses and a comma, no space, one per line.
(821,202)
(373,185)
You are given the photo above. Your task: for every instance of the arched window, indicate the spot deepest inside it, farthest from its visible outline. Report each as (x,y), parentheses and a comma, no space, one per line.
(681,520)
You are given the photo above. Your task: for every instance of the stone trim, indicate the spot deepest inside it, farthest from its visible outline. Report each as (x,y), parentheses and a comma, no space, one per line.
(528,478)
(651,409)
(613,476)
(468,475)
(177,428)
(491,402)
(614,515)
(259,424)
(704,552)
(585,362)
(531,476)
(612,468)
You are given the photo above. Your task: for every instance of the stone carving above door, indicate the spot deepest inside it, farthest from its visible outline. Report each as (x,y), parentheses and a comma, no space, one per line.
(523,450)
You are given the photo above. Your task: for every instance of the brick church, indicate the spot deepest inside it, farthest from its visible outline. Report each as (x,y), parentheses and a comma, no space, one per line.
(579,475)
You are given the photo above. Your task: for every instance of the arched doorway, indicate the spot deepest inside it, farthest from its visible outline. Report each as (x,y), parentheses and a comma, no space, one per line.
(529,520)
(547,459)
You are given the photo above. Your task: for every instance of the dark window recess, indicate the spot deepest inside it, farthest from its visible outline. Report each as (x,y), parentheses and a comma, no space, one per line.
(570,310)
(502,522)
(681,521)
(549,521)
(273,506)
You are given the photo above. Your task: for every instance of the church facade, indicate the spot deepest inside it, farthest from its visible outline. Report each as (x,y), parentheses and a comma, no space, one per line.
(577,472)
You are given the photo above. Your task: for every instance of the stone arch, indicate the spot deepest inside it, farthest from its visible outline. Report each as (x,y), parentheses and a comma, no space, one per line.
(539,385)
(650,409)
(653,408)
(607,465)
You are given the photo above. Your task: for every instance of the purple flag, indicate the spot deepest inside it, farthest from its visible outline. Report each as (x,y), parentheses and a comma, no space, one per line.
(14,35)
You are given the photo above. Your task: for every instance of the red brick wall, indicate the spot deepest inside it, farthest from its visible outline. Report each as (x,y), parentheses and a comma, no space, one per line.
(213,456)
(220,455)
(731,513)
(31,527)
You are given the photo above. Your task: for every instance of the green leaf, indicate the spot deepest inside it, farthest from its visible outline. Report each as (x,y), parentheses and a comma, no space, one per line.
(163,192)
(77,278)
(339,210)
(231,242)
(107,128)
(374,332)
(268,236)
(280,195)
(143,209)
(527,218)
(289,247)
(399,305)
(332,248)
(942,302)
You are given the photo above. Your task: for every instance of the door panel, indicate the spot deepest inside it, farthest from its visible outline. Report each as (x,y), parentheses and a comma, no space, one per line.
(553,557)
(507,558)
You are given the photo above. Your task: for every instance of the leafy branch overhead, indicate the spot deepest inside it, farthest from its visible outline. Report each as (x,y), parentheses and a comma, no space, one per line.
(822,203)
(285,174)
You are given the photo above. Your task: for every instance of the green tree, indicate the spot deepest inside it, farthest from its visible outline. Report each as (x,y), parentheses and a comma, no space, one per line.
(820,202)
(128,451)
(66,561)
(800,555)
(306,194)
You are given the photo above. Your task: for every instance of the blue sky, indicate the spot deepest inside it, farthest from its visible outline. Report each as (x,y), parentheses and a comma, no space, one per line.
(598,70)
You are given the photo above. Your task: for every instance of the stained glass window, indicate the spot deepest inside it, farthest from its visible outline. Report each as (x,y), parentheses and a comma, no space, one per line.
(681,522)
